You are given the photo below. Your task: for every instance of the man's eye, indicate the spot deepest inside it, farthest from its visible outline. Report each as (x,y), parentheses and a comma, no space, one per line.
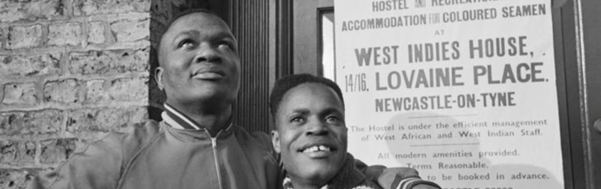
(226,44)
(296,119)
(186,43)
(333,119)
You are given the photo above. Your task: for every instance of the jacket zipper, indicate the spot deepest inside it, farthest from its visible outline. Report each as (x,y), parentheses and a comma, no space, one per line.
(214,145)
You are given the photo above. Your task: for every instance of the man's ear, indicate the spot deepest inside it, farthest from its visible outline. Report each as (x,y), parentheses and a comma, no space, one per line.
(275,140)
(158,77)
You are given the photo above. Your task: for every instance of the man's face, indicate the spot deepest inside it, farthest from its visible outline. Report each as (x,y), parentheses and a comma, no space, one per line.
(311,134)
(198,61)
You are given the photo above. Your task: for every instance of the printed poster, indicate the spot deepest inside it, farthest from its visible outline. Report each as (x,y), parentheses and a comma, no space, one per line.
(463,91)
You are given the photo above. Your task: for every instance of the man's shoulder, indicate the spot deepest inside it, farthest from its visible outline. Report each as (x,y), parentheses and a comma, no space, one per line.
(99,164)
(129,136)
(256,139)
(241,132)
(140,132)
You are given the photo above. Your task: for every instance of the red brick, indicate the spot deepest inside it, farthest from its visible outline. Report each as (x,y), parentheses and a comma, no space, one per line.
(17,152)
(95,92)
(12,10)
(65,34)
(34,122)
(16,179)
(65,91)
(85,120)
(110,61)
(24,36)
(128,61)
(19,94)
(92,62)
(56,150)
(91,7)
(129,89)
(96,31)
(114,118)
(2,38)
(131,30)
(29,65)
(102,120)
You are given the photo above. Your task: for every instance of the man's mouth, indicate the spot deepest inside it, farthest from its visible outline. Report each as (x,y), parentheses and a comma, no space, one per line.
(319,148)
(208,73)
(318,151)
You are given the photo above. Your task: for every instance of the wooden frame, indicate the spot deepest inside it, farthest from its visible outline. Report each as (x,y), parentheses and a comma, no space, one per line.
(320,12)
(306,53)
(562,100)
(584,89)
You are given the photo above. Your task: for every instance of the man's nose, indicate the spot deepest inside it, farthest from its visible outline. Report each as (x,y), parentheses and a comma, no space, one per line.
(317,127)
(207,53)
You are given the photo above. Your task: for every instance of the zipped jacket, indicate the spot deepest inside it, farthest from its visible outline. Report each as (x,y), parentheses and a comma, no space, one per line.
(155,155)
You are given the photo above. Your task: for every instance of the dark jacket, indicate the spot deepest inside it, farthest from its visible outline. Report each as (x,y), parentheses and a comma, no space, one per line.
(155,155)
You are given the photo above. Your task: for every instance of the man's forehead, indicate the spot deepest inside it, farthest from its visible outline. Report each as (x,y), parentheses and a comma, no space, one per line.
(309,90)
(198,19)
(195,21)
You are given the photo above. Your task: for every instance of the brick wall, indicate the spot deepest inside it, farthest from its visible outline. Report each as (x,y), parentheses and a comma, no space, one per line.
(70,71)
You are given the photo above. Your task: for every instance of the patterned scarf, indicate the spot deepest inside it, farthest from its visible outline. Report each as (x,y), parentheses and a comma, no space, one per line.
(347,178)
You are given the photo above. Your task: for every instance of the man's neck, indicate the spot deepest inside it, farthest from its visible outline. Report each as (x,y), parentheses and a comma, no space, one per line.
(306,185)
(301,186)
(213,119)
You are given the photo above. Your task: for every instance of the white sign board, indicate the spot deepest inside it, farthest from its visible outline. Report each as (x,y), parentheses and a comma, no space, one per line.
(463,91)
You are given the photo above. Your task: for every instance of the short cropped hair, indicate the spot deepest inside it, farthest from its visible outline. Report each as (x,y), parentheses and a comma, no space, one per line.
(187,12)
(286,83)
(181,14)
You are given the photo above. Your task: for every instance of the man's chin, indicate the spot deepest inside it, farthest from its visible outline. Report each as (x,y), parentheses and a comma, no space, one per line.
(207,98)
(213,89)
(319,172)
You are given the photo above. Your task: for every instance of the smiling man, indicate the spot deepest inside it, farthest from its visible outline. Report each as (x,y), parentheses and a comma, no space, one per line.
(311,137)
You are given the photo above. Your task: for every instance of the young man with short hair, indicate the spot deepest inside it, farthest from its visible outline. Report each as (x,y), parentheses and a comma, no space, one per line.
(311,137)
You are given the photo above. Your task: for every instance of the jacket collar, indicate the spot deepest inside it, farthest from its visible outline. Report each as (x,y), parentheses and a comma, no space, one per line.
(178,120)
